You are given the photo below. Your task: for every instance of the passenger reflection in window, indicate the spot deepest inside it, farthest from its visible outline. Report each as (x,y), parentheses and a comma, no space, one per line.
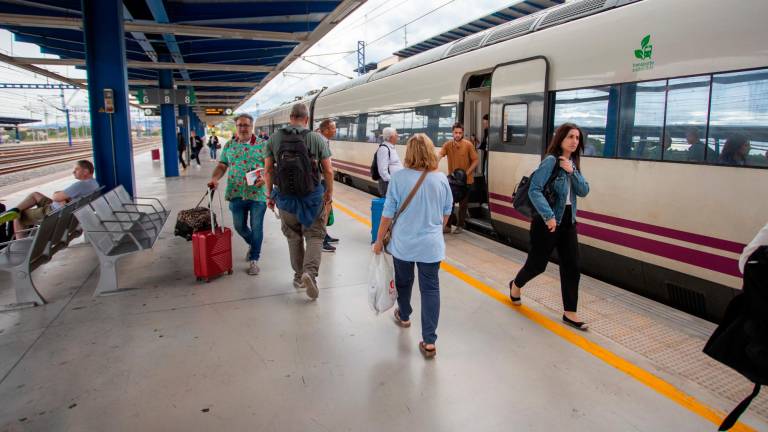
(735,151)
(696,149)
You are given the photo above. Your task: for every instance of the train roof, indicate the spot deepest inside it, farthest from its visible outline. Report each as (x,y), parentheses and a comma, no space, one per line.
(544,19)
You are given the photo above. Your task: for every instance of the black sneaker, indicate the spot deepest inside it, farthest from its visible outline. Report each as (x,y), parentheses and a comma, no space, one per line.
(328,248)
(329,239)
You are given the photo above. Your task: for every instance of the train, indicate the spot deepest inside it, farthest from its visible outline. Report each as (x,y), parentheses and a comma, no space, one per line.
(673,99)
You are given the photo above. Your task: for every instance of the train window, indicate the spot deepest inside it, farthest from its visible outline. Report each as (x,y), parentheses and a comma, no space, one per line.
(342,128)
(686,119)
(739,113)
(641,119)
(515,124)
(420,123)
(447,117)
(588,108)
(362,124)
(372,131)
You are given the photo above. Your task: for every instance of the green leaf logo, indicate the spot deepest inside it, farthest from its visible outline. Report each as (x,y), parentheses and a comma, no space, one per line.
(646,49)
(646,40)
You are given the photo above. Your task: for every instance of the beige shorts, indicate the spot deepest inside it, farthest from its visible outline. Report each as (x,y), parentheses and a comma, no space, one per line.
(35,215)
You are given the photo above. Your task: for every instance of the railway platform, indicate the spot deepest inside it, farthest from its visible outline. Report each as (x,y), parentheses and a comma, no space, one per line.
(252,353)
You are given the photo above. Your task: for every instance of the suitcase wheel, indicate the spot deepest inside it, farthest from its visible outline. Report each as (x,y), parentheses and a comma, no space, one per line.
(199,279)
(207,280)
(229,272)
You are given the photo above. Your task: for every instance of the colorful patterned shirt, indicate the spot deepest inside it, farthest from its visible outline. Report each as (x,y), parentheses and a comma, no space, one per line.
(240,158)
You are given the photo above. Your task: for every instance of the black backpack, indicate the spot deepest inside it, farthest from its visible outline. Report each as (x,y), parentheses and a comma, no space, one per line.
(375,164)
(741,339)
(296,173)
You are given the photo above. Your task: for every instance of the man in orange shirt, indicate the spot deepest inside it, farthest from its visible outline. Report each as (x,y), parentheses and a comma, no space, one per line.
(461,155)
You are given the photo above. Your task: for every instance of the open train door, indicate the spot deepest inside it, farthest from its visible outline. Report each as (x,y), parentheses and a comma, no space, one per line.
(518,125)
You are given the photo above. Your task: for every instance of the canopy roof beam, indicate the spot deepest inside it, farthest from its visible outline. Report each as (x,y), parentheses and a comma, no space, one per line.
(218,67)
(156,27)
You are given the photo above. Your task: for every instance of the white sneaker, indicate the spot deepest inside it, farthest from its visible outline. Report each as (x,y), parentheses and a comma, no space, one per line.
(253,270)
(311,285)
(458,230)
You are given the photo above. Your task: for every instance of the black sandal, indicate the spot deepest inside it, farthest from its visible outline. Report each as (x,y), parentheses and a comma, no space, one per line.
(428,353)
(515,300)
(579,325)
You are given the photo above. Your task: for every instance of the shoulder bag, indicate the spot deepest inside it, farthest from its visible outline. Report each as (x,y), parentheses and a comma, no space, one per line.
(388,235)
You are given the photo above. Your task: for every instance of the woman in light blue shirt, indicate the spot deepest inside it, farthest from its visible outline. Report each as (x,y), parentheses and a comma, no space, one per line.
(417,237)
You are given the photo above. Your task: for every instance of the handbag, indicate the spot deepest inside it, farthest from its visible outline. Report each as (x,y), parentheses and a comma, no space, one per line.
(522,202)
(388,235)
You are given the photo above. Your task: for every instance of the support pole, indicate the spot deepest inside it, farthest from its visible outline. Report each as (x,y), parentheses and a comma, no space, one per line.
(104,38)
(168,127)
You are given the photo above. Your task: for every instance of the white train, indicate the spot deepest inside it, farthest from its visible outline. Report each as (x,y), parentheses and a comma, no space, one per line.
(673,95)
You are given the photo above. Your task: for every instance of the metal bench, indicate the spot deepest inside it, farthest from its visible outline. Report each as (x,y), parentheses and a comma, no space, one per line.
(128,209)
(115,234)
(22,256)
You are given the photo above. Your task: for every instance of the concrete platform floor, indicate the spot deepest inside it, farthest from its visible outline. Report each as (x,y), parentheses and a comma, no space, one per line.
(251,353)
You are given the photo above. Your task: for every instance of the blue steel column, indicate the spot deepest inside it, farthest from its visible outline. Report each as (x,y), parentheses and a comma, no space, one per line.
(168,126)
(106,66)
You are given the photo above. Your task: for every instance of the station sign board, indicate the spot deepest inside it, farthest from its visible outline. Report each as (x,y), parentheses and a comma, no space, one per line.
(149,111)
(155,96)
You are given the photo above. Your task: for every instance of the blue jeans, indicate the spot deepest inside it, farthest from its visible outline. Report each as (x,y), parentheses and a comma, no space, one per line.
(429,284)
(212,151)
(254,234)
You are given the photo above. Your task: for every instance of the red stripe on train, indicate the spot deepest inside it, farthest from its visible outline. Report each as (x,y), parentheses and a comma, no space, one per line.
(686,255)
(694,238)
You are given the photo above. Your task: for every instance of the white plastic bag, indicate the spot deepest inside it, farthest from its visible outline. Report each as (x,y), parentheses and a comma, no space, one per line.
(381,283)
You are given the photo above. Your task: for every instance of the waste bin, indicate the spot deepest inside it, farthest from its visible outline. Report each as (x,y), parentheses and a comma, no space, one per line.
(155,154)
(377,207)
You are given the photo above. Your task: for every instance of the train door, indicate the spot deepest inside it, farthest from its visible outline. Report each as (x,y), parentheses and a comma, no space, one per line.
(517,133)
(476,105)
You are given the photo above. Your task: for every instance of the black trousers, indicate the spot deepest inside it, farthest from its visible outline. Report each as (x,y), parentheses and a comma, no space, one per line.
(181,160)
(542,243)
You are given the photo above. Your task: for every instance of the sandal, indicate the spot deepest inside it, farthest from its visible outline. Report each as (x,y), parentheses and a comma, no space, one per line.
(579,325)
(399,322)
(515,300)
(428,353)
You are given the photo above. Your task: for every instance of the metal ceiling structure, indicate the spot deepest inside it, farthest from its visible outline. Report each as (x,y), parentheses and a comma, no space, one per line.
(226,50)
(514,11)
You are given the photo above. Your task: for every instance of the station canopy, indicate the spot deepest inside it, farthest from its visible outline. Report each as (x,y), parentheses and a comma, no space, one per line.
(223,51)
(501,16)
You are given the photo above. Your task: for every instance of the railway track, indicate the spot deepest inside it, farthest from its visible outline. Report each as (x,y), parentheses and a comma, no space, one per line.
(18,162)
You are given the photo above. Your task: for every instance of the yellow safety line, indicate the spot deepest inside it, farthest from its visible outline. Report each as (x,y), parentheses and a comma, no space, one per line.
(636,372)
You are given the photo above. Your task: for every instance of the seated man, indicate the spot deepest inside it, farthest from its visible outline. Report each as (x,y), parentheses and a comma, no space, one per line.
(32,209)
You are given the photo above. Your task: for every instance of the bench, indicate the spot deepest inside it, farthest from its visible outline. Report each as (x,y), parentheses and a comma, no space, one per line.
(21,257)
(118,226)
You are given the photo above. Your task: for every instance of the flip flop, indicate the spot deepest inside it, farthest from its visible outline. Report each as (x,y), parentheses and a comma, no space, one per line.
(515,300)
(399,322)
(428,353)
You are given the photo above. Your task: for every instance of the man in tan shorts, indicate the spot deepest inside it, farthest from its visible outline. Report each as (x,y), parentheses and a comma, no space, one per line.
(33,209)
(461,154)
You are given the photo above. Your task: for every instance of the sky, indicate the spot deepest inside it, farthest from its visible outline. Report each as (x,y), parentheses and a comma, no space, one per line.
(369,23)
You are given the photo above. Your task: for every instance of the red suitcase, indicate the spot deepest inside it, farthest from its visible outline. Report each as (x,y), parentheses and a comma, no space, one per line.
(212,250)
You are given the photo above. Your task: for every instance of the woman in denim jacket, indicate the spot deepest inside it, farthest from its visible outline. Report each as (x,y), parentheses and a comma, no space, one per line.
(555,224)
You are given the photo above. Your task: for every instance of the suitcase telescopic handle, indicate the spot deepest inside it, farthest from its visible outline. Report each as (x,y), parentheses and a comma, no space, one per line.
(210,194)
